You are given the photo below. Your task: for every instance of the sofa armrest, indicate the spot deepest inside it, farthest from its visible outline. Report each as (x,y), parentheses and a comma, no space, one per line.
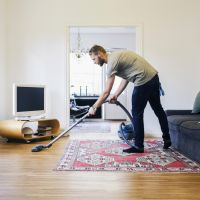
(178,112)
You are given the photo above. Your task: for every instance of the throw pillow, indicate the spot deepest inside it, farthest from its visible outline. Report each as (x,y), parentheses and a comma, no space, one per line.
(196,106)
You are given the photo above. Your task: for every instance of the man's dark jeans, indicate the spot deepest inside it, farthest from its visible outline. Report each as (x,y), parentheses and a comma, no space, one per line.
(149,92)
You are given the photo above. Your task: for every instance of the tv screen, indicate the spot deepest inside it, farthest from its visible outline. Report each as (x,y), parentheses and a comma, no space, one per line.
(28,100)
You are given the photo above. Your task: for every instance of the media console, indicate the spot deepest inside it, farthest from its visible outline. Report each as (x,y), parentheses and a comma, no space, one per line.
(29,130)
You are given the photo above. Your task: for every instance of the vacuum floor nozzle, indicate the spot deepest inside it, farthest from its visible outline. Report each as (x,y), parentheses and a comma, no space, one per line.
(38,148)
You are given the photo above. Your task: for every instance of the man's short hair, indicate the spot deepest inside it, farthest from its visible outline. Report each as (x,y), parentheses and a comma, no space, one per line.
(96,48)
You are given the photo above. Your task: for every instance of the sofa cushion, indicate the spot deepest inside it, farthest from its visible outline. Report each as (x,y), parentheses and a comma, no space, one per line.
(175,121)
(196,106)
(191,129)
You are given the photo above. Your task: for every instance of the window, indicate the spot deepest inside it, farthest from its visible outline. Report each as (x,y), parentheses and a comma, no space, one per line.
(86,77)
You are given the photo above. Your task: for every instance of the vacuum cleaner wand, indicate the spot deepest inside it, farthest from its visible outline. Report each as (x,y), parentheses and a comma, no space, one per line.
(41,147)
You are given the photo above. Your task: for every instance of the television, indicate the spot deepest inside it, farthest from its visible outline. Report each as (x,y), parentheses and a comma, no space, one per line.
(29,100)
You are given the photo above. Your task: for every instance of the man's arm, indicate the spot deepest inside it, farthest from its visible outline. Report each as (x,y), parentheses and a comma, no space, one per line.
(106,92)
(121,87)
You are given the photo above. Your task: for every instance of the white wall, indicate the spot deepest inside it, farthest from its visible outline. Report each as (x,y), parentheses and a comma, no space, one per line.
(37,43)
(3,59)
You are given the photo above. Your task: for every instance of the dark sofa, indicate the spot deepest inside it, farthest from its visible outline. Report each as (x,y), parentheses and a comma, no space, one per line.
(184,128)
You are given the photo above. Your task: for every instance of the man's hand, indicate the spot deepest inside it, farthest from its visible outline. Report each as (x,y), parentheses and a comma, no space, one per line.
(92,111)
(112,99)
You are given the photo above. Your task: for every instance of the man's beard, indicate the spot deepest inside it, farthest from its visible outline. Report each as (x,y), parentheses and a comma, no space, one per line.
(101,62)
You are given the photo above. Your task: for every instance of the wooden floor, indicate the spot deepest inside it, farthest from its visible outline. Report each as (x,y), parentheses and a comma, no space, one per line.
(27,175)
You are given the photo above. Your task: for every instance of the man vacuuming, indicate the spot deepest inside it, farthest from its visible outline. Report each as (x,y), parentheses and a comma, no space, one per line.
(132,68)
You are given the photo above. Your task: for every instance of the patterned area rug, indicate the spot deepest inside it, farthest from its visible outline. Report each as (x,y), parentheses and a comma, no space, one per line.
(107,155)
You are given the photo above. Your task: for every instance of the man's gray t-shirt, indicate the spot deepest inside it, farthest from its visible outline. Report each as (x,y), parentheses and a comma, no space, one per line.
(130,66)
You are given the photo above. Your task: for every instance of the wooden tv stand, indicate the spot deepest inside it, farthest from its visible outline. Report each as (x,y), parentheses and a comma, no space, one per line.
(29,130)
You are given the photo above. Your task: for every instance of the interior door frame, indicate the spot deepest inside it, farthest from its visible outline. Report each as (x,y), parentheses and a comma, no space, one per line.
(139,50)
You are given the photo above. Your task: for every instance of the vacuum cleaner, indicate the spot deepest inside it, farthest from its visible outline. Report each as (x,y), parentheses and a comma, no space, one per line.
(126,132)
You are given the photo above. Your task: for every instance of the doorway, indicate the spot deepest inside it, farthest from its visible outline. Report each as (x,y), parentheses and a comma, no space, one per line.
(87,80)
